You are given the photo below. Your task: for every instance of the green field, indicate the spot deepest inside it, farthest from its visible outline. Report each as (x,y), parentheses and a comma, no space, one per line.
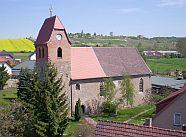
(167,64)
(23,56)
(17,45)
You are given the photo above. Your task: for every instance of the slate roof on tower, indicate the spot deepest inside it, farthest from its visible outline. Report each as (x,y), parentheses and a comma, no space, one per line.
(47,28)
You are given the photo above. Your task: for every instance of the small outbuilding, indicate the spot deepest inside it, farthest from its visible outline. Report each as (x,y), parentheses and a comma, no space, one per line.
(24,65)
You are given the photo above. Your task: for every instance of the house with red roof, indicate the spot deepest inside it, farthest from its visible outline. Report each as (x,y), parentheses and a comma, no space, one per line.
(84,68)
(3,62)
(7,55)
(120,129)
(171,111)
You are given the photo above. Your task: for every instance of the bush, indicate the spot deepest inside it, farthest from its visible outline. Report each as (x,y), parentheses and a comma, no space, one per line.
(78,110)
(156,98)
(109,108)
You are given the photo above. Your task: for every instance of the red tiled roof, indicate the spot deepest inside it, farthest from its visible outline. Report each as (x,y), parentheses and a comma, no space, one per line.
(88,62)
(100,62)
(169,99)
(46,30)
(84,64)
(118,129)
(116,61)
(5,53)
(2,59)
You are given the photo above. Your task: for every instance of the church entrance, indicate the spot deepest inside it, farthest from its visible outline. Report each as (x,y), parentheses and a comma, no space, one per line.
(83,109)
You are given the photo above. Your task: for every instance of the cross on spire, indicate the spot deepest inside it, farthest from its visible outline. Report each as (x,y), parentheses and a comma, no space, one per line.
(50,10)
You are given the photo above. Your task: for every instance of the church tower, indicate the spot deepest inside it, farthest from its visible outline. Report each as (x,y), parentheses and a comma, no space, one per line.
(53,44)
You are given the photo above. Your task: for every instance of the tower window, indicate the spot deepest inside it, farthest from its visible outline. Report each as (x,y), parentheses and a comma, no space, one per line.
(39,53)
(141,85)
(43,52)
(77,86)
(59,53)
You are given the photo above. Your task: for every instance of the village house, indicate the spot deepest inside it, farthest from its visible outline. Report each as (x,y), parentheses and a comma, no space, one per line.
(84,68)
(161,85)
(7,55)
(171,111)
(162,53)
(32,56)
(3,62)
(119,129)
(29,64)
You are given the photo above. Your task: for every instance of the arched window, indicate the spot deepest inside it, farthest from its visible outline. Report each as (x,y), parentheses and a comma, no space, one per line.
(77,86)
(39,53)
(59,53)
(141,85)
(43,52)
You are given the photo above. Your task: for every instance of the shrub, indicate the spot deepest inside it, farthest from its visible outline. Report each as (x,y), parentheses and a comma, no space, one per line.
(156,98)
(78,110)
(109,108)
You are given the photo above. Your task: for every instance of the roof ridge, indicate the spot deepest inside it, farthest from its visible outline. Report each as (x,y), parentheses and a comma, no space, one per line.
(143,60)
(117,122)
(115,47)
(174,94)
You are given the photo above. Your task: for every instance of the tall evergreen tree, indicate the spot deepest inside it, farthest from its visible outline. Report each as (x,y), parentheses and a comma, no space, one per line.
(28,80)
(3,77)
(109,90)
(47,101)
(51,110)
(127,89)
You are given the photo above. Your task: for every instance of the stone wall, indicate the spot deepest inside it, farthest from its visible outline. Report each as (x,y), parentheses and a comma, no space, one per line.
(11,83)
(90,91)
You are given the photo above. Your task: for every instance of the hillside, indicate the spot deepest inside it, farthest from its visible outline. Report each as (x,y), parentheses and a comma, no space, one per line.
(79,40)
(156,43)
(17,45)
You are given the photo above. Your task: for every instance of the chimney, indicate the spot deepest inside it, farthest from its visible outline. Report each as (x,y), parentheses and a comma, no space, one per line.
(184,127)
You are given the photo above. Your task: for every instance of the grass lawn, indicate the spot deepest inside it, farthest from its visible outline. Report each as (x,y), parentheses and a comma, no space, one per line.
(6,95)
(126,114)
(72,127)
(140,120)
(23,56)
(167,64)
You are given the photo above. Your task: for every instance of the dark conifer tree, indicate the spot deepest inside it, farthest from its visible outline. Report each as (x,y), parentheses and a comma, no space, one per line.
(47,101)
(3,77)
(51,110)
(78,110)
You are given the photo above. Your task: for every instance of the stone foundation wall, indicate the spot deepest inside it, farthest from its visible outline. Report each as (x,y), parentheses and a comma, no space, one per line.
(89,92)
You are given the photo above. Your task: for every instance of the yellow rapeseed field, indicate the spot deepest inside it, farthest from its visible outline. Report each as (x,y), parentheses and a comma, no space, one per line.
(17,45)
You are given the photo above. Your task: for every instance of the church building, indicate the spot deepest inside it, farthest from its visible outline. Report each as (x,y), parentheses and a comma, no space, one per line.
(84,68)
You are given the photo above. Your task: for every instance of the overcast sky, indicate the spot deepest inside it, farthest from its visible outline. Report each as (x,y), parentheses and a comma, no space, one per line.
(22,18)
